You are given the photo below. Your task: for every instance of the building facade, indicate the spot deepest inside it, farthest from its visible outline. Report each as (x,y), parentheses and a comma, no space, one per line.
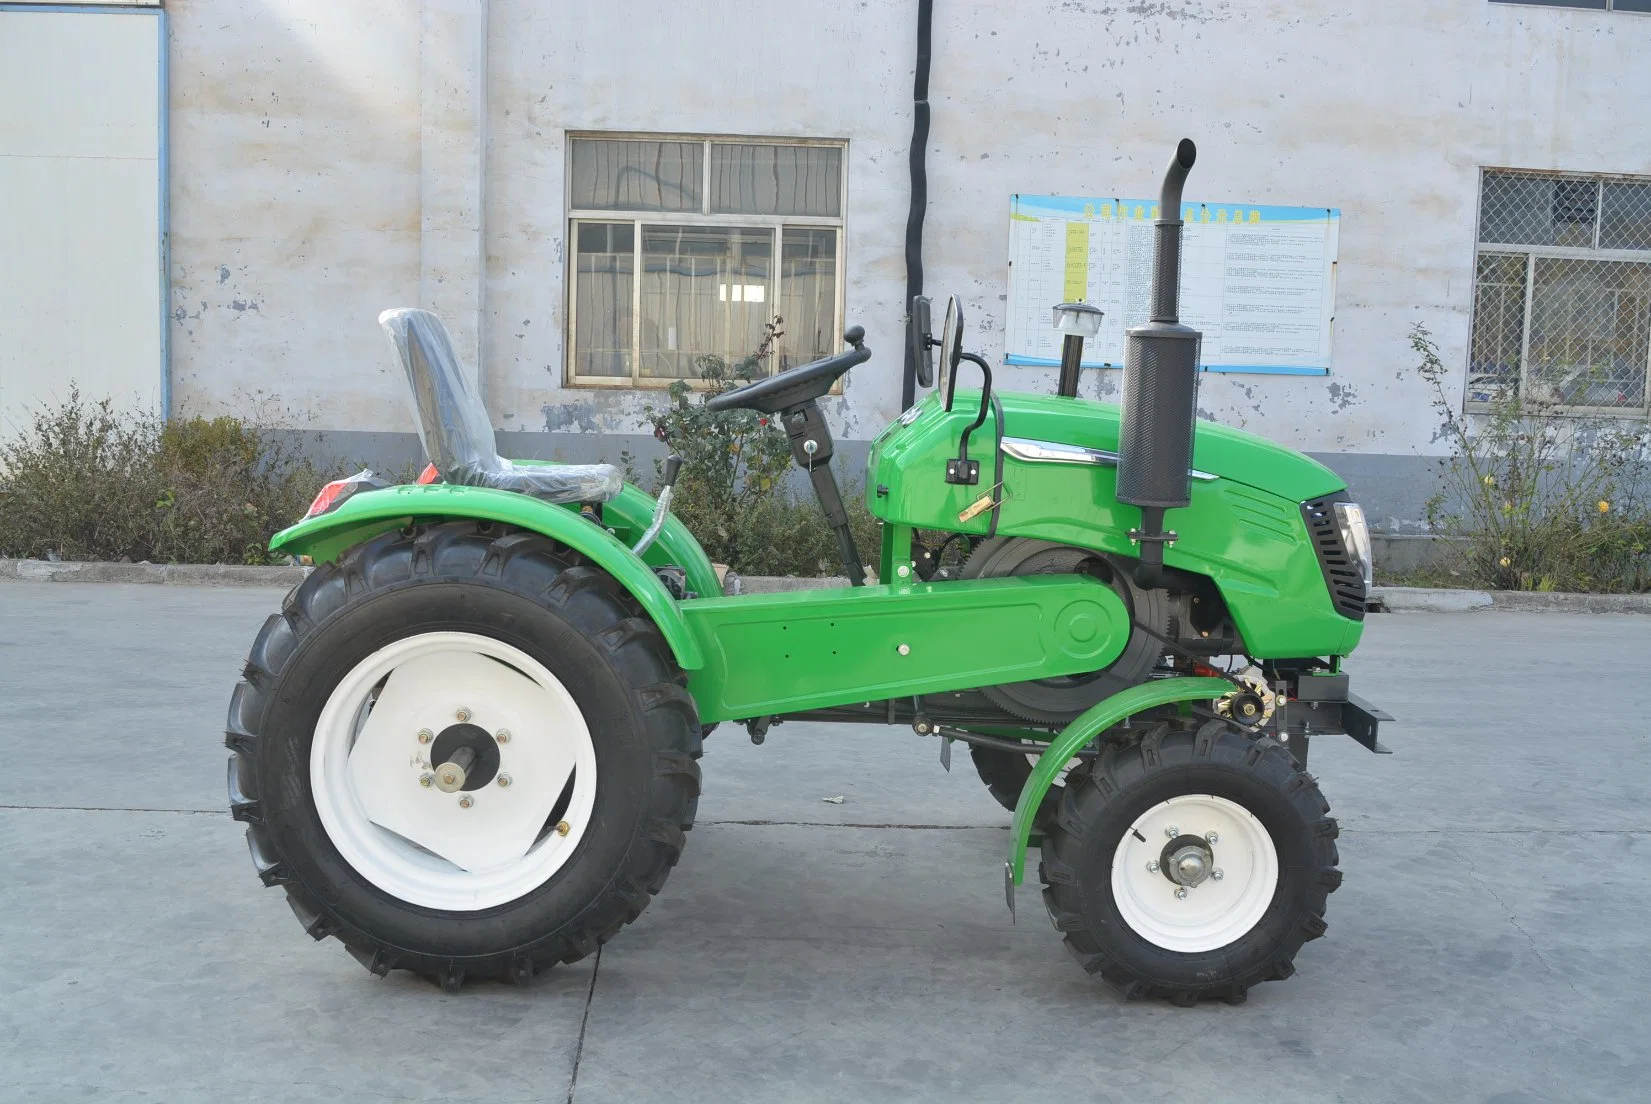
(592,195)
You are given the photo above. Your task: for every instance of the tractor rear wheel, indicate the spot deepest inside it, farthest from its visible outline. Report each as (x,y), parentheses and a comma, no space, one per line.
(1191,864)
(463,752)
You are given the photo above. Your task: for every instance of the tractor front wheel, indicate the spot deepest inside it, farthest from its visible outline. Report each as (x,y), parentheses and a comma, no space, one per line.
(1191,864)
(463,752)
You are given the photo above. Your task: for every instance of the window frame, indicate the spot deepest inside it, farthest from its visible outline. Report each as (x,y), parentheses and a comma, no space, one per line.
(575,217)
(1531,254)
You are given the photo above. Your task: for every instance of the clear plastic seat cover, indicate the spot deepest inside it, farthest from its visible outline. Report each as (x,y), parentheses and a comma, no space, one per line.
(454,427)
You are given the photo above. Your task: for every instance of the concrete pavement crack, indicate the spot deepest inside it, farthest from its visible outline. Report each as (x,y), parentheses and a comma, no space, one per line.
(584,1022)
(1513,920)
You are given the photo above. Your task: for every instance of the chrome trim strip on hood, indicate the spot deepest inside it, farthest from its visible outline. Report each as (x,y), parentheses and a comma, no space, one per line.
(1054,452)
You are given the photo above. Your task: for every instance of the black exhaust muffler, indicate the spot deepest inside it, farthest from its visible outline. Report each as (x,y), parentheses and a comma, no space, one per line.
(1160,388)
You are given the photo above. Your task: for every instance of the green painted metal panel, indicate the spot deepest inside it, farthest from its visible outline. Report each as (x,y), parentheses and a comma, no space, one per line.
(628,515)
(1243,530)
(1094,721)
(630,512)
(783,653)
(324,538)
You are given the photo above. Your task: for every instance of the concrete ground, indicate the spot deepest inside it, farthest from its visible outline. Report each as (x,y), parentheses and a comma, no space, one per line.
(1490,942)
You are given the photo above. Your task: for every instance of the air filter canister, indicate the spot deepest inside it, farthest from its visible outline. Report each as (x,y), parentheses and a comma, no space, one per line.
(1160,408)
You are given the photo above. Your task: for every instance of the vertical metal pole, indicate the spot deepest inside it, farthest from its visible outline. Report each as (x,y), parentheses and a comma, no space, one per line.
(164,205)
(1071,357)
(1525,337)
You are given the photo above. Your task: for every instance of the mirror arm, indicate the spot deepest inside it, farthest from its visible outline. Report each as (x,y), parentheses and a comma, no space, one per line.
(963,470)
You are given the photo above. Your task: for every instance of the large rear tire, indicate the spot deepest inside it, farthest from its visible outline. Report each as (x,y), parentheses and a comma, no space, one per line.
(1244,902)
(416,642)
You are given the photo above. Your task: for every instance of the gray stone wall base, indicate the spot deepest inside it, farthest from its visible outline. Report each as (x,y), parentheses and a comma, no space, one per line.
(53,571)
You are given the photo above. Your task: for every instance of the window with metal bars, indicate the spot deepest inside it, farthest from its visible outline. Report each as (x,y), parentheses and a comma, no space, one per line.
(1562,291)
(1595,5)
(682,247)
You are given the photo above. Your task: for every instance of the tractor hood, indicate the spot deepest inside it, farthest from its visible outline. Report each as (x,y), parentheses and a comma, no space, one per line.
(1217,449)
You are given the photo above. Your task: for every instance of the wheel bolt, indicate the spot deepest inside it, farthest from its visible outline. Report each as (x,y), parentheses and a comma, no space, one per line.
(463,714)
(563,828)
(503,736)
(1172,831)
(1181,894)
(425,735)
(504,779)
(426,779)
(1214,837)
(1152,866)
(1216,874)
(465,802)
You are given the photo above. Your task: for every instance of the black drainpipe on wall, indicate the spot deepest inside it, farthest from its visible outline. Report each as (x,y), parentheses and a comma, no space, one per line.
(919,193)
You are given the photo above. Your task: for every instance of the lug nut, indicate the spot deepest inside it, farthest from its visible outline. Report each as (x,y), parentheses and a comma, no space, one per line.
(1181,894)
(563,827)
(1214,837)
(426,779)
(465,802)
(463,714)
(1172,831)
(1152,866)
(425,735)
(504,779)
(503,736)
(1216,874)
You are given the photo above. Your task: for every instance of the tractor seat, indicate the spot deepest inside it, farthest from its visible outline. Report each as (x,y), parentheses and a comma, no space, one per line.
(456,432)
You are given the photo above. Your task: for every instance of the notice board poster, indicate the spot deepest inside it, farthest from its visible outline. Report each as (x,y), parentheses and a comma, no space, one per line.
(1259,281)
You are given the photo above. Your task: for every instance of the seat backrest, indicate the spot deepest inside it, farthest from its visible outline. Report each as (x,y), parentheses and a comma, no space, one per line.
(452,422)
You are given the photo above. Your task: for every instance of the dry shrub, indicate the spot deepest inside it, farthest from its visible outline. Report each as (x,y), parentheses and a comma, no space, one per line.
(88,482)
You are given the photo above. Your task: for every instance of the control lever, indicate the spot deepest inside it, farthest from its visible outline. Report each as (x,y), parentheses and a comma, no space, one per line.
(662,507)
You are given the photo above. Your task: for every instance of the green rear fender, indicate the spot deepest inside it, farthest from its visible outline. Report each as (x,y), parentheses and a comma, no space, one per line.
(1090,724)
(366,515)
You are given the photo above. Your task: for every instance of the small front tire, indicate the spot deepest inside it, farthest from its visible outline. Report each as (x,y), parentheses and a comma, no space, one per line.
(1148,900)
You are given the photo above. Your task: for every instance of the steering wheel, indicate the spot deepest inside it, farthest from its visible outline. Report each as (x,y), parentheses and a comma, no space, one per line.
(795,386)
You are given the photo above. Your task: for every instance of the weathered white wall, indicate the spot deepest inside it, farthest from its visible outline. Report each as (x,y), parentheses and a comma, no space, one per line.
(80,241)
(325,166)
(296,216)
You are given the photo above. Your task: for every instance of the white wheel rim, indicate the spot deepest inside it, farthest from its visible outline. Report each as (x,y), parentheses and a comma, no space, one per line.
(1215,912)
(422,845)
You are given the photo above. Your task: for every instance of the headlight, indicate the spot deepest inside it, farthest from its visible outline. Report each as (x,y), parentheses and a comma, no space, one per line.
(1355,537)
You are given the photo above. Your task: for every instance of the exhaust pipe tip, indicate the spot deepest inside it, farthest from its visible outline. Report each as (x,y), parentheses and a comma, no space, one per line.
(1186,153)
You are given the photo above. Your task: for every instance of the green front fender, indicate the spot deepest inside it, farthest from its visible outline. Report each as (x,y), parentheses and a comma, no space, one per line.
(363,516)
(1090,724)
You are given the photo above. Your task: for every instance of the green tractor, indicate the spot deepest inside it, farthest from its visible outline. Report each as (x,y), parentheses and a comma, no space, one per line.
(468,744)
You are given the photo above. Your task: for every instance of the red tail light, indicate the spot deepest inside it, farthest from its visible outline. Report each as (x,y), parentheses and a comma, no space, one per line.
(333,494)
(428,475)
(327,498)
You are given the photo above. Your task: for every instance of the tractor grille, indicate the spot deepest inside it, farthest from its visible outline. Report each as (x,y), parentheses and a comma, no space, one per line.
(1341,574)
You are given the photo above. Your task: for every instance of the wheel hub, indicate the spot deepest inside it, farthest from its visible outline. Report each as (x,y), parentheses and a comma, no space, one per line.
(465,757)
(1187,860)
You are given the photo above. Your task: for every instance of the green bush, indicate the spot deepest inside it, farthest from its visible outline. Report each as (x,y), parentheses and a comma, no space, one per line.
(87,482)
(733,492)
(1537,499)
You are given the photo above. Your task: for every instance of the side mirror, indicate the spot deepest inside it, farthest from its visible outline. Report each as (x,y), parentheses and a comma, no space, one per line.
(921,335)
(951,348)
